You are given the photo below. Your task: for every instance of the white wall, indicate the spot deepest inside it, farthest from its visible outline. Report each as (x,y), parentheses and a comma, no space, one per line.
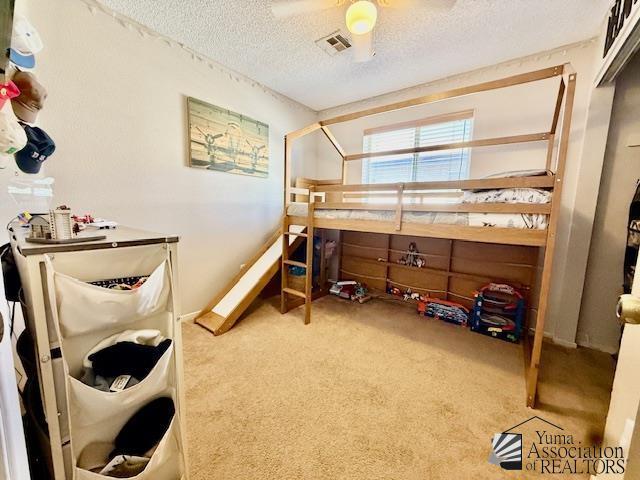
(117,112)
(522,109)
(598,325)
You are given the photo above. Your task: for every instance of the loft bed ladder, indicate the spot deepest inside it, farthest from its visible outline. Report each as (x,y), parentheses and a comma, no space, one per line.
(306,233)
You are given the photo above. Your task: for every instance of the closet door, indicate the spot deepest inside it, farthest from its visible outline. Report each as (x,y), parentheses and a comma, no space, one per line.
(622,418)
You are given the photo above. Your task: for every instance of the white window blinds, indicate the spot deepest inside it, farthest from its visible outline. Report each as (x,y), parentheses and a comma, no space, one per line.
(419,167)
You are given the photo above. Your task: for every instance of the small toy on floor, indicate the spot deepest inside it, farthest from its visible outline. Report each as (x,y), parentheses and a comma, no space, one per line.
(351,290)
(407,295)
(451,312)
(499,311)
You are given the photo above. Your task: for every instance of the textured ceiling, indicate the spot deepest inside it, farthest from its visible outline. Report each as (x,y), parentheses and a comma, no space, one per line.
(412,46)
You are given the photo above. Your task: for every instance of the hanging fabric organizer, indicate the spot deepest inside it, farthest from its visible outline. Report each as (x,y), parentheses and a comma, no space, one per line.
(84,312)
(109,308)
(81,319)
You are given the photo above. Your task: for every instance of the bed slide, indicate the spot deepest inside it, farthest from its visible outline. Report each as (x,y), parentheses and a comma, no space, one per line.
(225,309)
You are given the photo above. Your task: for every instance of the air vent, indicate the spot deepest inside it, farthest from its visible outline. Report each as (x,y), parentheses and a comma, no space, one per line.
(334,43)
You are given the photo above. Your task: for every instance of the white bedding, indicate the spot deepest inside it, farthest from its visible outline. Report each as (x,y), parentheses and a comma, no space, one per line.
(507,195)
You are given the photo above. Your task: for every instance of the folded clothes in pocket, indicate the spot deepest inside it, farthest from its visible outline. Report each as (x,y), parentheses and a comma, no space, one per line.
(123,360)
(134,445)
(145,429)
(127,358)
(125,466)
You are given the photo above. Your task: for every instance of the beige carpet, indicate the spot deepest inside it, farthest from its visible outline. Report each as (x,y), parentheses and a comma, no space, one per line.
(370,392)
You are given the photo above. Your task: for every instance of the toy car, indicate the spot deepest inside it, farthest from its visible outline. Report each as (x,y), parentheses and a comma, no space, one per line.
(444,310)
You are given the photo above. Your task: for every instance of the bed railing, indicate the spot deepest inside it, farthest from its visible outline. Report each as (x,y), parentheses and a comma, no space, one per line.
(438,197)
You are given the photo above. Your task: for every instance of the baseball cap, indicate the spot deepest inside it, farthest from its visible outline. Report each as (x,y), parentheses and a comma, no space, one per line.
(7,92)
(39,147)
(31,98)
(12,136)
(25,42)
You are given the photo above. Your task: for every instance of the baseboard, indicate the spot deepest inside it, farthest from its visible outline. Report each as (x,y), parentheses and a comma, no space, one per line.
(557,341)
(586,343)
(189,317)
(581,342)
(564,343)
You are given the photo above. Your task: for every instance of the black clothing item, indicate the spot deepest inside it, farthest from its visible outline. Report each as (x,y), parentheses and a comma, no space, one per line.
(12,284)
(127,358)
(145,429)
(631,252)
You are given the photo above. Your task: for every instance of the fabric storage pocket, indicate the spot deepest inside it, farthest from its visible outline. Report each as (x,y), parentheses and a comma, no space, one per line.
(165,463)
(94,409)
(98,416)
(83,308)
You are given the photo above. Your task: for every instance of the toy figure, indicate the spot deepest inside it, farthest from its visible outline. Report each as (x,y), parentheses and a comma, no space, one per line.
(412,256)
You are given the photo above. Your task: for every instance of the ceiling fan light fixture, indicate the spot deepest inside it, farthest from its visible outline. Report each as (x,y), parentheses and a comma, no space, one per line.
(361,17)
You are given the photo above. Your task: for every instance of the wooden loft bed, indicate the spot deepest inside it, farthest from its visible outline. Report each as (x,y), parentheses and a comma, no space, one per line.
(335,195)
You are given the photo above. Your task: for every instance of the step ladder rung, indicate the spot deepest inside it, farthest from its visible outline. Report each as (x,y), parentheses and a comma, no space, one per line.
(296,293)
(294,234)
(295,264)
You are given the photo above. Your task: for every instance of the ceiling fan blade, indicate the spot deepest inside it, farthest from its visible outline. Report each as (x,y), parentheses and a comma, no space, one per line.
(290,8)
(443,5)
(362,47)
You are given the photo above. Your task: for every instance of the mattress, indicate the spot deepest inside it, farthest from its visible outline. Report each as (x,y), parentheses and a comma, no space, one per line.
(472,219)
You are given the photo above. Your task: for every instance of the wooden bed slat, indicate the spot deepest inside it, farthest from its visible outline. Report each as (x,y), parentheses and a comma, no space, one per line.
(456,92)
(535,137)
(532,208)
(507,236)
(541,181)
(334,141)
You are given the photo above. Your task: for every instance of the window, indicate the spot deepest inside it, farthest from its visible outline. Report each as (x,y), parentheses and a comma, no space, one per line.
(419,167)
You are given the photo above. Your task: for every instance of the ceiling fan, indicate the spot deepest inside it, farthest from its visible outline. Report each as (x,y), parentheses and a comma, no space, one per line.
(360,17)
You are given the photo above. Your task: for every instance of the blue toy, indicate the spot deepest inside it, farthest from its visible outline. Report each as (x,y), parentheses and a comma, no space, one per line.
(499,311)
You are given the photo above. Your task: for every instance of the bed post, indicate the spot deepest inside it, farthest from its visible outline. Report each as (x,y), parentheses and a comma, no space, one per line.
(284,284)
(308,290)
(288,148)
(543,304)
(399,193)
(554,124)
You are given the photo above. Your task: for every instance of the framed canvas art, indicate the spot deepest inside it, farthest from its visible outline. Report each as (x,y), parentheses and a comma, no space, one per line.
(226,141)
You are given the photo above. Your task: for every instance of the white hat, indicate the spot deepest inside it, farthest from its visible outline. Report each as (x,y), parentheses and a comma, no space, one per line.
(25,43)
(12,136)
